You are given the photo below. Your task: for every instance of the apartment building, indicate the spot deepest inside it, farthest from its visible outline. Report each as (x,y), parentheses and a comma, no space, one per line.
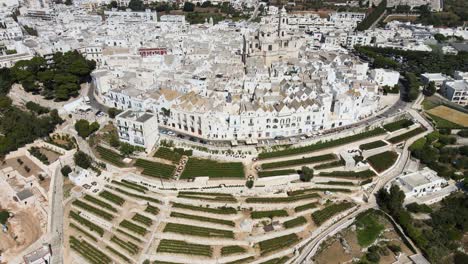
(138,128)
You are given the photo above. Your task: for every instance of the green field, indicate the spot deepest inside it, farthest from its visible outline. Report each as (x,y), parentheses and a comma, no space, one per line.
(328,212)
(270,245)
(209,168)
(263,174)
(268,214)
(112,197)
(298,221)
(155,169)
(383,161)
(167,154)
(297,162)
(230,250)
(322,145)
(399,124)
(88,251)
(372,145)
(304,207)
(110,156)
(181,247)
(406,135)
(368,228)
(197,231)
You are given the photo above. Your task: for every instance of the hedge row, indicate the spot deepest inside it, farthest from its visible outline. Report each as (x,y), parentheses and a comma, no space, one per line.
(181,247)
(277,243)
(291,198)
(263,174)
(203,219)
(296,162)
(221,210)
(112,197)
(406,135)
(372,145)
(298,221)
(197,231)
(268,214)
(351,174)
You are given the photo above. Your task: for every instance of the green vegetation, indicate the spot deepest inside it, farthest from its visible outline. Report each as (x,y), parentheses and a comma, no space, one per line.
(94,210)
(133,227)
(4,215)
(66,170)
(120,255)
(129,235)
(326,213)
(203,219)
(289,199)
(306,174)
(110,156)
(84,128)
(142,219)
(89,252)
(131,185)
(93,227)
(37,108)
(126,245)
(298,221)
(206,196)
(397,125)
(322,145)
(147,198)
(36,152)
(419,208)
(270,245)
(443,123)
(371,18)
(349,174)
(332,190)
(268,214)
(368,227)
(372,145)
(203,167)
(406,135)
(281,260)
(263,174)
(295,162)
(167,154)
(305,207)
(383,161)
(221,210)
(347,183)
(86,233)
(454,13)
(112,197)
(152,209)
(181,247)
(100,203)
(82,159)
(155,169)
(328,165)
(230,250)
(197,231)
(241,261)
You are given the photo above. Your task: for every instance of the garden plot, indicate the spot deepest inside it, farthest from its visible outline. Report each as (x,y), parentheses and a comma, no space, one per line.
(209,168)
(298,162)
(155,169)
(450,114)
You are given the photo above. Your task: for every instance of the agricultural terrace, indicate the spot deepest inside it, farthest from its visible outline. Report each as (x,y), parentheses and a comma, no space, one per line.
(292,197)
(365,174)
(197,231)
(446,117)
(397,125)
(407,135)
(274,244)
(205,196)
(328,165)
(321,216)
(155,169)
(383,161)
(230,250)
(221,210)
(297,162)
(196,167)
(167,154)
(181,247)
(110,156)
(372,145)
(322,145)
(264,174)
(131,185)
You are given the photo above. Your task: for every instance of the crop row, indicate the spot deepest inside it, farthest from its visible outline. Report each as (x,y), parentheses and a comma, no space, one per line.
(168,154)
(142,219)
(349,174)
(130,186)
(92,226)
(155,169)
(296,162)
(406,135)
(220,198)
(126,245)
(93,210)
(383,161)
(133,227)
(209,168)
(322,145)
(203,219)
(181,247)
(112,197)
(152,209)
(332,164)
(197,231)
(276,243)
(399,124)
(110,156)
(373,145)
(86,233)
(230,250)
(298,221)
(304,207)
(263,174)
(268,214)
(99,202)
(120,255)
(147,198)
(326,213)
(345,183)
(89,252)
(288,199)
(129,235)
(221,210)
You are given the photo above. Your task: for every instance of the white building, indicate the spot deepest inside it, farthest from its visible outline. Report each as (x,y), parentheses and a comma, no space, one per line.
(138,128)
(385,77)
(456,91)
(420,183)
(437,78)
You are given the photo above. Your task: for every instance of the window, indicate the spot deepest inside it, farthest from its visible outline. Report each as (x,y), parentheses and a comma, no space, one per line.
(270,47)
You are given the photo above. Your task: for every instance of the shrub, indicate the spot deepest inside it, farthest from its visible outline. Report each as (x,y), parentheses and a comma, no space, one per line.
(82,159)
(65,170)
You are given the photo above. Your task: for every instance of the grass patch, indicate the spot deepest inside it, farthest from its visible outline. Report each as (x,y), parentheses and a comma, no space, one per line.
(268,214)
(155,169)
(383,161)
(322,145)
(298,221)
(221,210)
(443,123)
(406,135)
(110,156)
(197,231)
(209,168)
(368,228)
(263,174)
(296,162)
(397,125)
(372,145)
(181,247)
(328,212)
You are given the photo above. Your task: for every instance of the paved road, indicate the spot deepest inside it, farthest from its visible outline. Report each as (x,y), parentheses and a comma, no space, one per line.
(93,102)
(56,212)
